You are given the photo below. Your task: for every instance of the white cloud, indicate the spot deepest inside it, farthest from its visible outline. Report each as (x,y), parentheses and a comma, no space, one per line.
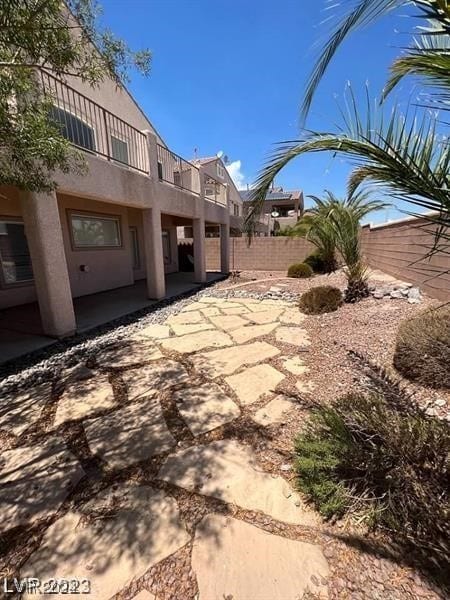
(234,170)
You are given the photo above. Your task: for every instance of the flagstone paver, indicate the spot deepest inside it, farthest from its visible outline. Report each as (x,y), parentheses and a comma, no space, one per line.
(295,365)
(227,470)
(144,595)
(292,316)
(34,481)
(197,341)
(155,331)
(133,433)
(83,398)
(265,316)
(183,329)
(186,318)
(252,383)
(228,322)
(227,360)
(232,559)
(238,310)
(149,380)
(275,411)
(18,412)
(210,311)
(296,336)
(129,354)
(250,332)
(206,407)
(141,527)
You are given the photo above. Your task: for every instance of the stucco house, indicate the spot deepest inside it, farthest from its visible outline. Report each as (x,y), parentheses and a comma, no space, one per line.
(114,226)
(282,207)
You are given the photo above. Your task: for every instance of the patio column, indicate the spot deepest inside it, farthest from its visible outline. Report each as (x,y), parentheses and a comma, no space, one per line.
(199,250)
(225,248)
(154,259)
(51,277)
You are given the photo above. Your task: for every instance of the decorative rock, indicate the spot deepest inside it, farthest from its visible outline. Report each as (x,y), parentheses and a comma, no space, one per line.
(84,398)
(296,336)
(440,402)
(226,361)
(34,481)
(20,411)
(205,408)
(275,411)
(134,433)
(251,384)
(381,292)
(233,559)
(149,380)
(250,332)
(296,366)
(413,301)
(414,293)
(227,470)
(113,550)
(396,294)
(197,341)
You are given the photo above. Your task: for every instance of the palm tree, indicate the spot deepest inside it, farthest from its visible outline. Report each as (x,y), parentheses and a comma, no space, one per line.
(404,153)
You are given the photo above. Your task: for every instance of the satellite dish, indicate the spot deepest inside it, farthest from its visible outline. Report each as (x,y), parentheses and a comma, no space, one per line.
(219,154)
(274,214)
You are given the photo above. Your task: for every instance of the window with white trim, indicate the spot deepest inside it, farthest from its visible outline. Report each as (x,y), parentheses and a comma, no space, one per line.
(119,150)
(14,253)
(94,231)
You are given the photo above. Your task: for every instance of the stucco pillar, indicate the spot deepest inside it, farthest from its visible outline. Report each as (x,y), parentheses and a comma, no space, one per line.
(154,259)
(225,248)
(51,277)
(152,152)
(198,229)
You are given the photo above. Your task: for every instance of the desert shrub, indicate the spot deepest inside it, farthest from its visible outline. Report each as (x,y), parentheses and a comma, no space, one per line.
(300,270)
(319,264)
(422,351)
(321,299)
(368,454)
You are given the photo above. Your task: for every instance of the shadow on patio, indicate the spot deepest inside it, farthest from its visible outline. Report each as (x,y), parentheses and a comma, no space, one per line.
(20,326)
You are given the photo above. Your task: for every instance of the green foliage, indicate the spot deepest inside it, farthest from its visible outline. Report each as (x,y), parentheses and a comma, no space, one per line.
(380,457)
(316,262)
(422,351)
(65,40)
(321,299)
(300,270)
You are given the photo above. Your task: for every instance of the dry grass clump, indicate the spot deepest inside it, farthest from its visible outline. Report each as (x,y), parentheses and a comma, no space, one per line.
(422,351)
(321,299)
(300,270)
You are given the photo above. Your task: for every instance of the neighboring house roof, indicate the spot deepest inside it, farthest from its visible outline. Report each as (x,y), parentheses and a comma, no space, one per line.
(203,161)
(273,195)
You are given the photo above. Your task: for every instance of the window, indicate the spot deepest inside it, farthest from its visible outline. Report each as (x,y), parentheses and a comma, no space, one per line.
(14,254)
(73,129)
(135,247)
(236,210)
(119,150)
(220,170)
(92,231)
(166,247)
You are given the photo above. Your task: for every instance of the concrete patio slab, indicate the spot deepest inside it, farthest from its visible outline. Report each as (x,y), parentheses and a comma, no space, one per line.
(253,383)
(18,412)
(232,559)
(84,398)
(153,378)
(197,341)
(34,481)
(275,411)
(205,408)
(226,361)
(228,470)
(295,336)
(251,332)
(134,433)
(112,550)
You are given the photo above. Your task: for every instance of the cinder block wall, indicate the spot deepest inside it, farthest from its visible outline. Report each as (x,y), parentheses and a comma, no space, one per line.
(399,249)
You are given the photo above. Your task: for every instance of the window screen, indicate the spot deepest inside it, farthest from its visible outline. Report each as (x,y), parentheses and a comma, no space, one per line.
(14,254)
(73,128)
(92,231)
(119,150)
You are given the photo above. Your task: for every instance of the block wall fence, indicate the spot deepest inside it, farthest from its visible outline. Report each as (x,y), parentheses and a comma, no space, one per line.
(396,248)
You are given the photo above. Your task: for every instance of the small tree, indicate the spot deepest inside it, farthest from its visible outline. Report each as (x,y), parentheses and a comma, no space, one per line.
(64,38)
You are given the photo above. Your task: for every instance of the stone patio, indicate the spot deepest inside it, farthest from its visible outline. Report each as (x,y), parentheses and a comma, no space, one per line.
(161,415)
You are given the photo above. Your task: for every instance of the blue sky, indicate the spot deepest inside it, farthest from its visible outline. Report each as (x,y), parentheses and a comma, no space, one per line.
(229,76)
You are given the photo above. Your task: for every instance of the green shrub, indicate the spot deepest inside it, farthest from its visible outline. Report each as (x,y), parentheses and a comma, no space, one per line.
(381,458)
(300,270)
(321,299)
(319,264)
(422,351)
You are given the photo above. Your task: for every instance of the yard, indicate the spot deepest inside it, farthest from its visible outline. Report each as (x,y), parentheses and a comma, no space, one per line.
(163,451)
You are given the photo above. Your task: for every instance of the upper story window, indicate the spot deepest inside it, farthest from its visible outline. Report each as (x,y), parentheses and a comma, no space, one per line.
(73,128)
(119,150)
(94,231)
(14,253)
(220,170)
(236,210)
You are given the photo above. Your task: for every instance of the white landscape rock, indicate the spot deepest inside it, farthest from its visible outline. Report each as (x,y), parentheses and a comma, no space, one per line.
(233,559)
(141,527)
(134,433)
(275,411)
(194,342)
(206,407)
(83,398)
(34,481)
(228,360)
(19,411)
(227,470)
(295,336)
(252,383)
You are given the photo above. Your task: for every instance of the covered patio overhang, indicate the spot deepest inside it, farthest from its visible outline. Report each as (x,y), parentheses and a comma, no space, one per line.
(21,329)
